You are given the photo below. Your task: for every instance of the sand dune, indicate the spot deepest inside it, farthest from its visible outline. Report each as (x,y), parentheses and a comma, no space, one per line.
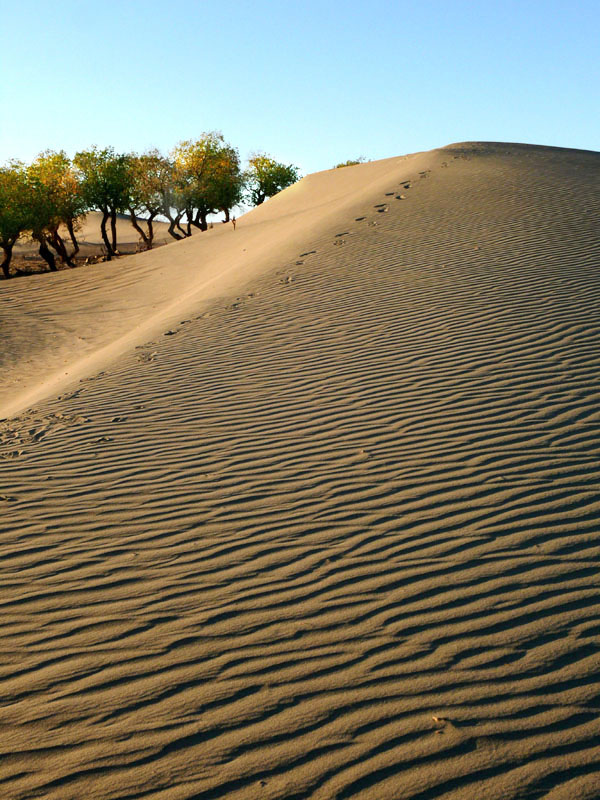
(337,534)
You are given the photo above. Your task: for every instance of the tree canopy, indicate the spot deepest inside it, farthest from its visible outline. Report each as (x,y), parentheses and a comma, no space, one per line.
(266,177)
(57,199)
(15,209)
(151,178)
(106,179)
(208,175)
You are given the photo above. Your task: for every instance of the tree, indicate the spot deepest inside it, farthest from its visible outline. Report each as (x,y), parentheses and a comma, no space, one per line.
(106,185)
(151,184)
(15,215)
(43,218)
(208,177)
(174,207)
(266,177)
(56,199)
(228,181)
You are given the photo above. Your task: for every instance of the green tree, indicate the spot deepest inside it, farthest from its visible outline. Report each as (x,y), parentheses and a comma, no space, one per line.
(57,200)
(106,185)
(174,207)
(151,183)
(15,213)
(208,177)
(43,217)
(266,177)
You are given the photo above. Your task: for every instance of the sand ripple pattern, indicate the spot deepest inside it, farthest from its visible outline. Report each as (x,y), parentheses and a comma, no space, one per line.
(338,538)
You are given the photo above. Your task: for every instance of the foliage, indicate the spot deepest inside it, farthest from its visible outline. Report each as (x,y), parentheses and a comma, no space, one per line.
(15,210)
(151,177)
(15,213)
(266,177)
(351,162)
(106,181)
(207,176)
(105,177)
(55,192)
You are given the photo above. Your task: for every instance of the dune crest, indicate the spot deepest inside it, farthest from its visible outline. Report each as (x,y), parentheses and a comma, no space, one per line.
(337,534)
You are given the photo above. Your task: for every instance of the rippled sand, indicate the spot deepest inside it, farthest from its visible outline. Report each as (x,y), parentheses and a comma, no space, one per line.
(337,534)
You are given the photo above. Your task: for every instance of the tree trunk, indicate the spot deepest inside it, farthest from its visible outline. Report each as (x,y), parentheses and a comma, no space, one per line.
(71,229)
(58,244)
(171,229)
(113,230)
(226,212)
(200,219)
(140,230)
(179,216)
(46,254)
(150,231)
(109,252)
(260,198)
(7,247)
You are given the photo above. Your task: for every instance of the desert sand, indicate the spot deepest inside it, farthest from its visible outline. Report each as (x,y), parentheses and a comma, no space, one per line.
(311,509)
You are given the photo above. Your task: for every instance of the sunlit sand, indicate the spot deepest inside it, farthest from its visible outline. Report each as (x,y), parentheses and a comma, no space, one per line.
(311,508)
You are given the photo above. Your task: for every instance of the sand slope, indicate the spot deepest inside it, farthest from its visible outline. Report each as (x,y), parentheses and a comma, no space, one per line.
(337,535)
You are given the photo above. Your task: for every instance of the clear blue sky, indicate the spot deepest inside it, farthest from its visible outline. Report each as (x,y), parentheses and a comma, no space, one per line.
(311,83)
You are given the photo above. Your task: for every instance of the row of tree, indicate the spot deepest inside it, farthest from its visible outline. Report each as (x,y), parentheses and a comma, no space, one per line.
(47,199)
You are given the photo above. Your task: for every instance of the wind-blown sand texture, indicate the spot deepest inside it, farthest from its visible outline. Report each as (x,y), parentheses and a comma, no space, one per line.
(337,534)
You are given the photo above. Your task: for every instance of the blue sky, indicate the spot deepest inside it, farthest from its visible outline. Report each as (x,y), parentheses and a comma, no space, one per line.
(311,83)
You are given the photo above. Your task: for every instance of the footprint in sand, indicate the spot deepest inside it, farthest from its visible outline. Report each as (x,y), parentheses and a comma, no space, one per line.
(92,377)
(389,194)
(359,219)
(12,454)
(309,253)
(170,333)
(400,197)
(147,357)
(70,396)
(345,233)
(382,210)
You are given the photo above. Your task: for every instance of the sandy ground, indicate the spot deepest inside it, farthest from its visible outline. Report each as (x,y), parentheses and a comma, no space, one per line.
(312,509)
